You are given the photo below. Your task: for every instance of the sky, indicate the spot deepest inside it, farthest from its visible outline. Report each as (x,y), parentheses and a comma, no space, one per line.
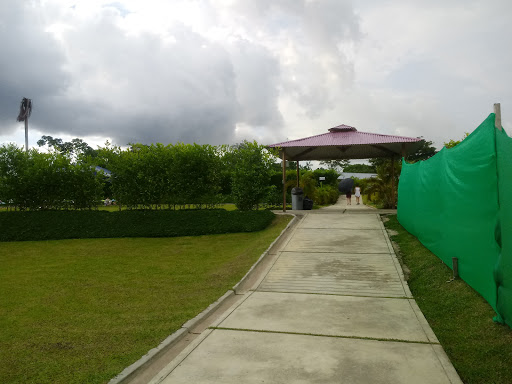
(224,71)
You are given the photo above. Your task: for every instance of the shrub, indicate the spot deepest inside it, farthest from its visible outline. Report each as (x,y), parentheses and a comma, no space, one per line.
(326,194)
(35,180)
(251,171)
(308,184)
(56,225)
(142,176)
(321,195)
(154,175)
(331,176)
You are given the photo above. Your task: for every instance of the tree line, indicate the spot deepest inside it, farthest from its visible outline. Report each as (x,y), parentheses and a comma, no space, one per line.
(37,180)
(141,176)
(170,176)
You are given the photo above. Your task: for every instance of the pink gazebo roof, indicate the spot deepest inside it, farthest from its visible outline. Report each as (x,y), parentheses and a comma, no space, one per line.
(346,142)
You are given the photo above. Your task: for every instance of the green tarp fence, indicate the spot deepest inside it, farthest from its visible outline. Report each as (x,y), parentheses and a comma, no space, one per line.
(459,204)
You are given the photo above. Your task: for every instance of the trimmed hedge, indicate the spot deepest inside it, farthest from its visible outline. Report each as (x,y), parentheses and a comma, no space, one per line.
(57,225)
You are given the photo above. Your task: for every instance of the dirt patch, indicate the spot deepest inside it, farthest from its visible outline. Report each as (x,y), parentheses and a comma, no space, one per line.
(392,232)
(398,253)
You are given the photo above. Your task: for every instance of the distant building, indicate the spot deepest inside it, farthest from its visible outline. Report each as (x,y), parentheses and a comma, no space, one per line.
(105,171)
(358,175)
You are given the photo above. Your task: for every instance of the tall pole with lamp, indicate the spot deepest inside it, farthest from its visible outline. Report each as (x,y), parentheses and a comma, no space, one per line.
(25,111)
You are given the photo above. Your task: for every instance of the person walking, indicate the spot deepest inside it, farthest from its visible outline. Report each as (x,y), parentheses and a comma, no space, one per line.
(348,195)
(358,194)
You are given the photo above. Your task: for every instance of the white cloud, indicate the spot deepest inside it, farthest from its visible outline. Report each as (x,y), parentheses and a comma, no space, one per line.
(220,71)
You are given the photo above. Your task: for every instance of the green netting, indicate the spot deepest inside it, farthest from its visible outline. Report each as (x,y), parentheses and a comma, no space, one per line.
(504,229)
(451,203)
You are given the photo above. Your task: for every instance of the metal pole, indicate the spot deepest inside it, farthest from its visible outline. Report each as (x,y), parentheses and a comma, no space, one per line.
(284,181)
(455,265)
(497,112)
(26,134)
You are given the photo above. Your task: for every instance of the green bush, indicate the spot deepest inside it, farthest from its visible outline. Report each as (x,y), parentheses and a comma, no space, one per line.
(155,175)
(321,195)
(142,176)
(36,180)
(56,225)
(251,172)
(326,195)
(381,186)
(331,176)
(308,184)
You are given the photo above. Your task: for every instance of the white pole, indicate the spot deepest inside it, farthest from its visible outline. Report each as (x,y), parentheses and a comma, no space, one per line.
(497,124)
(497,112)
(26,134)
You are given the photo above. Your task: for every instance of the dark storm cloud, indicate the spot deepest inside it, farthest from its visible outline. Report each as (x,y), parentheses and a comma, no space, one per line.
(145,89)
(99,80)
(257,74)
(30,63)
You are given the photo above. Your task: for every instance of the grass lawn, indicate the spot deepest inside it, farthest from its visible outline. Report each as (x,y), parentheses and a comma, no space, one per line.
(480,349)
(80,311)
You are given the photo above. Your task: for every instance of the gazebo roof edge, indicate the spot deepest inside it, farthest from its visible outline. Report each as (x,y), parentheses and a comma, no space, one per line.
(297,142)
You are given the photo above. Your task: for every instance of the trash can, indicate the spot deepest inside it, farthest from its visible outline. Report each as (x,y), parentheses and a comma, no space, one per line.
(297,198)
(307,204)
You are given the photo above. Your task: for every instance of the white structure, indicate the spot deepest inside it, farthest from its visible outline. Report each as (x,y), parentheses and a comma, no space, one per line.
(359,175)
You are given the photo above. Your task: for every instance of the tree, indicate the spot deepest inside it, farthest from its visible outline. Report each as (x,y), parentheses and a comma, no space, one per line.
(360,168)
(453,143)
(291,165)
(277,166)
(74,148)
(307,166)
(37,180)
(336,164)
(152,176)
(252,167)
(426,151)
(331,176)
(382,184)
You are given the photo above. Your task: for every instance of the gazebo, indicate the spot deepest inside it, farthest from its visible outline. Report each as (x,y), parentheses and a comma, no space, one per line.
(344,142)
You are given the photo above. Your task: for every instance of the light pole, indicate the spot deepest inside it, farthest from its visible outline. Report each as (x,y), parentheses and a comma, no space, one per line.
(25,111)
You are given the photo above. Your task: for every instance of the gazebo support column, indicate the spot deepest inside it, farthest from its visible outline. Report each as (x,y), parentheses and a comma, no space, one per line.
(298,174)
(404,154)
(284,181)
(393,200)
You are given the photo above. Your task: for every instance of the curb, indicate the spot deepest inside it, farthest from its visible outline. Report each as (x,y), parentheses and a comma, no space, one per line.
(171,340)
(174,338)
(398,267)
(129,371)
(264,254)
(438,349)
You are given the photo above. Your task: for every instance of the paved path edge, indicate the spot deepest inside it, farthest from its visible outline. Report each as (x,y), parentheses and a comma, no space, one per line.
(438,349)
(177,336)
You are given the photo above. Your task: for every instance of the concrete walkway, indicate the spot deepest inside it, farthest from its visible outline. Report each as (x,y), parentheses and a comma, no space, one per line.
(333,308)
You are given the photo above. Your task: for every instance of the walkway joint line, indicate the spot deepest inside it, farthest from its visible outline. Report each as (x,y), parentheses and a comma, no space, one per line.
(323,335)
(337,252)
(336,294)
